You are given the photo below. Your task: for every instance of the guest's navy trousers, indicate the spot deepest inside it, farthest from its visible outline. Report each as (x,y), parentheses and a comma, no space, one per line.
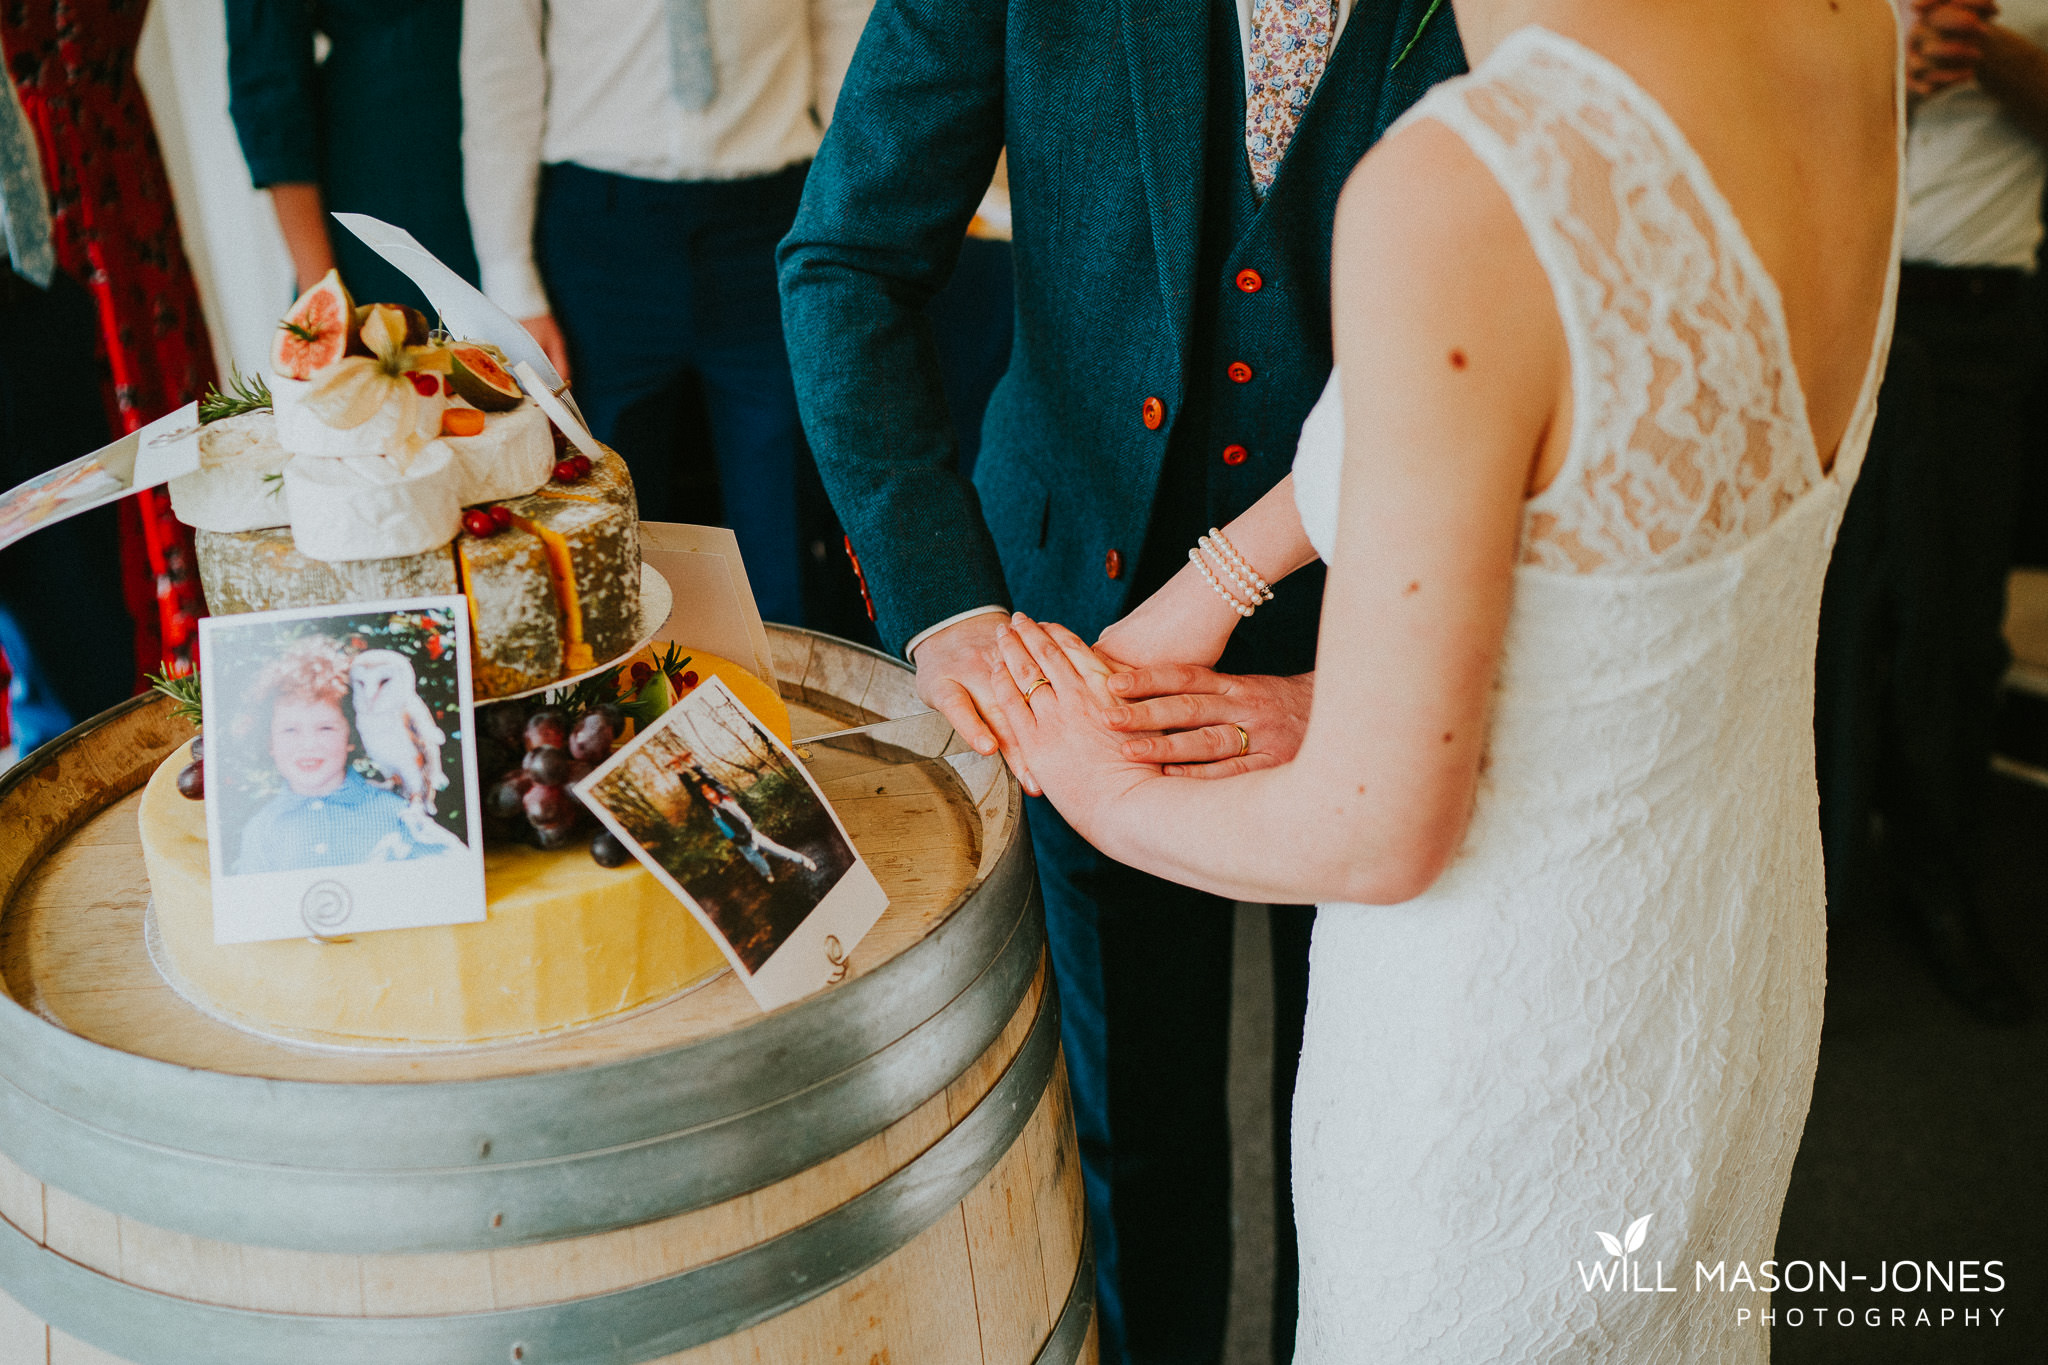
(1911,628)
(651,280)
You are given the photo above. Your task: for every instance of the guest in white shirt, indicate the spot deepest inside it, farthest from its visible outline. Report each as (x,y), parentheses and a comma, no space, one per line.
(629,166)
(1911,649)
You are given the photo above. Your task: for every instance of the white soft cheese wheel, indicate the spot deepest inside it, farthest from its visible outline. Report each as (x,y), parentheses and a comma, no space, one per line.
(366,507)
(302,433)
(237,485)
(511,457)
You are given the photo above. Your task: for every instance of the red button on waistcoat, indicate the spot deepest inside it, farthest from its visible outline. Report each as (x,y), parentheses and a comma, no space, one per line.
(1154,413)
(1239,372)
(1113,564)
(1251,281)
(1235,454)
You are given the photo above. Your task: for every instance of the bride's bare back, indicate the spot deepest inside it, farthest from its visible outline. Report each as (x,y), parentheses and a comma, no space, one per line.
(1790,104)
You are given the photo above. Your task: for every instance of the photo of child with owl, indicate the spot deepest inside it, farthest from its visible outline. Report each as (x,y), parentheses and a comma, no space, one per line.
(336,738)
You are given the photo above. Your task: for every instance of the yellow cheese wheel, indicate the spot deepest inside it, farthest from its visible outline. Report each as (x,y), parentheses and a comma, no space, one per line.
(567,942)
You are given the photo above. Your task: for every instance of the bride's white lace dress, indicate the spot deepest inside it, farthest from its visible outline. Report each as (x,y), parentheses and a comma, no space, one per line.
(1609,1007)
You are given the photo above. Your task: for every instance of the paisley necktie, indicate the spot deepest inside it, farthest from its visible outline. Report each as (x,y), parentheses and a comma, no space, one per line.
(1290,49)
(23,201)
(693,75)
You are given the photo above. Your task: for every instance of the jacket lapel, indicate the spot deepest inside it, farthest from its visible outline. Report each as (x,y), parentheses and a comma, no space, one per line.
(1166,47)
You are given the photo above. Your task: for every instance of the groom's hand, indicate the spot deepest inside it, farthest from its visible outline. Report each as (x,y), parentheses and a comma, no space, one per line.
(1200,711)
(953,668)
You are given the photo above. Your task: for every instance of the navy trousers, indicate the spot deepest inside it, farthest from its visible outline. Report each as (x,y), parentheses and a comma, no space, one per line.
(1144,970)
(1911,641)
(68,632)
(652,281)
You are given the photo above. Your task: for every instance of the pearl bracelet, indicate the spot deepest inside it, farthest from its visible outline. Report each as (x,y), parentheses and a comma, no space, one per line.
(1195,558)
(1230,559)
(1229,571)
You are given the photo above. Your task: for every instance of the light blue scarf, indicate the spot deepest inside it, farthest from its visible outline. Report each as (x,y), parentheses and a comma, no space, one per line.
(24,203)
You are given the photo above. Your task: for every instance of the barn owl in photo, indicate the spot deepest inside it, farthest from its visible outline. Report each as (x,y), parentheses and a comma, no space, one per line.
(396,727)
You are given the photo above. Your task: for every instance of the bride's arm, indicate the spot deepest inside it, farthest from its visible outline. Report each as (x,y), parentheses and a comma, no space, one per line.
(1187,621)
(1453,364)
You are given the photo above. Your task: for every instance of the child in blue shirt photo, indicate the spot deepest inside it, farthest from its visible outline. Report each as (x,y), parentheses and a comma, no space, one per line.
(328,814)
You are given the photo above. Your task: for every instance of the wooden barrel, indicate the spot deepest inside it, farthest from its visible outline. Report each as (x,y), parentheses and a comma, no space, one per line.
(884,1171)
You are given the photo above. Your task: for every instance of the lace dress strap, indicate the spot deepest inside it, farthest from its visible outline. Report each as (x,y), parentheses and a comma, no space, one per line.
(1690,431)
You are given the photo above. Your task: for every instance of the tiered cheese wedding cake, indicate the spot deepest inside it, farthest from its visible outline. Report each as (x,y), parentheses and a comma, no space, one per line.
(381,461)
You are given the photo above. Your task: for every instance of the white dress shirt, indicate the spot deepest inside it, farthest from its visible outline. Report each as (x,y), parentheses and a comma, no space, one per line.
(1973,176)
(590,82)
(1244,38)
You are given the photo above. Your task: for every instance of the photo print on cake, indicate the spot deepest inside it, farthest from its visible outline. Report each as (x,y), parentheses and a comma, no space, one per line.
(725,816)
(341,770)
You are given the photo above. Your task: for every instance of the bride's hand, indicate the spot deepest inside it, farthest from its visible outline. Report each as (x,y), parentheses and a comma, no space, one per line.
(1184,622)
(1051,696)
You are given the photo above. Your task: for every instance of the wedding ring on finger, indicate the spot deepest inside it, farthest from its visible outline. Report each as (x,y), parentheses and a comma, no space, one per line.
(1036,684)
(1244,739)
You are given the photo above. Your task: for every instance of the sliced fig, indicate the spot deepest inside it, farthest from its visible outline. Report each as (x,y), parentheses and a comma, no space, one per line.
(480,378)
(316,332)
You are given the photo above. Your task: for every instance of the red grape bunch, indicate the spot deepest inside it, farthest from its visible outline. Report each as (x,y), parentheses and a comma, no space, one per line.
(530,760)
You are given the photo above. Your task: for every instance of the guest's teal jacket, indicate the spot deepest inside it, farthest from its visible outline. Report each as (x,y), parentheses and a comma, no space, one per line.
(1105,109)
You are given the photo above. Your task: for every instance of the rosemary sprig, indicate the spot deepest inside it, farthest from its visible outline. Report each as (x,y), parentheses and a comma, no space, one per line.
(1416,37)
(245,393)
(587,695)
(673,660)
(299,329)
(273,484)
(183,692)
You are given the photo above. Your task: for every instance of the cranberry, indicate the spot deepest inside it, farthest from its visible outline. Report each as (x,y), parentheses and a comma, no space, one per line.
(426,385)
(478,522)
(582,463)
(501,517)
(642,671)
(566,471)
(689,679)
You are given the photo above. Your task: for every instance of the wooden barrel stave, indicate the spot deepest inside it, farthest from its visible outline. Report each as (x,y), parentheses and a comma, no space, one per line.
(205,1270)
(500,1199)
(928,1185)
(1003,1179)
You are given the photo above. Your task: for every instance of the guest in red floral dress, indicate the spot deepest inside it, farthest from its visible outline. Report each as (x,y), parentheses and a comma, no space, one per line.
(115,230)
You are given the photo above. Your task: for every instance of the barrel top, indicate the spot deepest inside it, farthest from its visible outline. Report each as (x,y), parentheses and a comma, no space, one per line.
(73,891)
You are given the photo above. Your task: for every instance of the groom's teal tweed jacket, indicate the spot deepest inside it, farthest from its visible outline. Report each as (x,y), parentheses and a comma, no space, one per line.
(1105,110)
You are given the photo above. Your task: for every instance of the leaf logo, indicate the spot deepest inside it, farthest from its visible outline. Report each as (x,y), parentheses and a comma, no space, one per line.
(1629,1240)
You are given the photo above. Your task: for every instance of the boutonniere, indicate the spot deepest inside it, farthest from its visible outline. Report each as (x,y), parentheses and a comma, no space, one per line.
(1416,37)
